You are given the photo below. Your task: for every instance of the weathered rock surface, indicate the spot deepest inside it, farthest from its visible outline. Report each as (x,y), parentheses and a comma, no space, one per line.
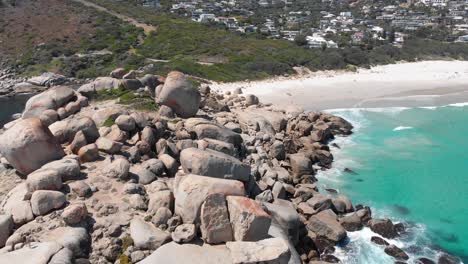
(248,220)
(184,233)
(383,227)
(17,204)
(66,130)
(44,179)
(28,145)
(191,191)
(6,228)
(178,94)
(37,253)
(214,164)
(43,202)
(206,129)
(101,83)
(173,253)
(51,99)
(214,216)
(271,250)
(326,225)
(146,235)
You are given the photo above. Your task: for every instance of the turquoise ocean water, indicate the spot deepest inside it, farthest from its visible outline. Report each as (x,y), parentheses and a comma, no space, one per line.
(411,165)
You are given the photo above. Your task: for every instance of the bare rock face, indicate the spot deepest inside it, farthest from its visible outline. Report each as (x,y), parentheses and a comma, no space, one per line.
(36,253)
(268,251)
(184,233)
(17,205)
(325,224)
(180,95)
(214,216)
(248,219)
(214,164)
(173,253)
(206,129)
(6,228)
(107,145)
(191,191)
(146,235)
(28,145)
(44,179)
(285,215)
(383,227)
(43,202)
(88,153)
(301,164)
(101,83)
(119,168)
(74,213)
(66,130)
(53,98)
(118,73)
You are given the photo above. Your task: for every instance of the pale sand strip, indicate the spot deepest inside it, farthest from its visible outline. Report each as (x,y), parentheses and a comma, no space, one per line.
(428,83)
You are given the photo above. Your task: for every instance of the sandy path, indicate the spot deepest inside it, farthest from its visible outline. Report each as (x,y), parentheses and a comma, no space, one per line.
(147,28)
(425,83)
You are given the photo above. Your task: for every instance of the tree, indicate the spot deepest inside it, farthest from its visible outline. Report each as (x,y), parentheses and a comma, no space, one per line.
(391,36)
(300,40)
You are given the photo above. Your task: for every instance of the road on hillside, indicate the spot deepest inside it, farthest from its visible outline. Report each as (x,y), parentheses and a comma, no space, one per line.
(147,28)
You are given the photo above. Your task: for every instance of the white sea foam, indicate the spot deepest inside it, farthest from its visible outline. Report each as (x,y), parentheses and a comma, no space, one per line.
(402,128)
(459,104)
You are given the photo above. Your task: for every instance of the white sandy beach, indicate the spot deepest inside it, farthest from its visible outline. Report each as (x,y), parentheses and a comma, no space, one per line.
(427,83)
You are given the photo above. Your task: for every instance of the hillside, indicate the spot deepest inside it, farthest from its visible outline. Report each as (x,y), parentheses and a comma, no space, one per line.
(103,41)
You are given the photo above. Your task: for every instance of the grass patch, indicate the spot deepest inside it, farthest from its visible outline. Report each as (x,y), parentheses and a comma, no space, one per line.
(142,102)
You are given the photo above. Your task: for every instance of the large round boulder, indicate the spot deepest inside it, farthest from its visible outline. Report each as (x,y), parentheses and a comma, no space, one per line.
(179,94)
(28,145)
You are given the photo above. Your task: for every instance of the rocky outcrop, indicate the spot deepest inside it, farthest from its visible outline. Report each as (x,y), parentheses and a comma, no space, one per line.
(248,219)
(214,164)
(121,194)
(147,236)
(191,191)
(215,225)
(325,224)
(179,94)
(28,145)
(272,250)
(101,83)
(51,99)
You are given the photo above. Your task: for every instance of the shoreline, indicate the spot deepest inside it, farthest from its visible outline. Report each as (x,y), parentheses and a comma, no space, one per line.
(335,176)
(415,84)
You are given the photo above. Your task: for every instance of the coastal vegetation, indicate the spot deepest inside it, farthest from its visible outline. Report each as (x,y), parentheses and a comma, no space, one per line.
(207,51)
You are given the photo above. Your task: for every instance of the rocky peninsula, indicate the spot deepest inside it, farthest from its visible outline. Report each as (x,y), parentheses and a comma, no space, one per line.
(136,168)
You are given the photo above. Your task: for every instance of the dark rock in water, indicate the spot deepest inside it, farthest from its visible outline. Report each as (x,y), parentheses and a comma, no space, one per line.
(335,145)
(424,261)
(400,228)
(451,238)
(400,262)
(331,190)
(359,180)
(330,259)
(445,220)
(379,241)
(448,259)
(350,171)
(383,227)
(401,209)
(396,252)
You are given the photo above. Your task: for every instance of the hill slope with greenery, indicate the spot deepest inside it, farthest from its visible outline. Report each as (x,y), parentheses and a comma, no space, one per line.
(208,51)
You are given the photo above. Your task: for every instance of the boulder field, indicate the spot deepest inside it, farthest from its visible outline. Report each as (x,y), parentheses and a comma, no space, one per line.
(207,177)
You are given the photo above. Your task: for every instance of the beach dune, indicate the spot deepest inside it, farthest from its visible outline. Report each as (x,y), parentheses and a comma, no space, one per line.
(427,83)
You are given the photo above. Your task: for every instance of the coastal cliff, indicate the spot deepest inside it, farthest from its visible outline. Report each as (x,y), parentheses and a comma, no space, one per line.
(135,168)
